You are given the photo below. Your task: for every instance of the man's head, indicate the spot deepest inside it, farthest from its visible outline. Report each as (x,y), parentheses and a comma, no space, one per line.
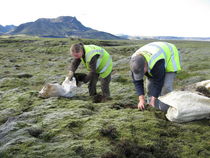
(77,50)
(137,66)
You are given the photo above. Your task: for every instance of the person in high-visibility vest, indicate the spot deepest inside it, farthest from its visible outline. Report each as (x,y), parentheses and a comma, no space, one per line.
(99,64)
(159,61)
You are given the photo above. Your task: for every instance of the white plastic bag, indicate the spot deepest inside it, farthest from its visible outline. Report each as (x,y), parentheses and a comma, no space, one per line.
(186,106)
(67,89)
(205,83)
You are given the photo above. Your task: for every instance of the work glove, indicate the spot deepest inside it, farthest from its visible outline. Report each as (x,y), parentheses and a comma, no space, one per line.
(70,75)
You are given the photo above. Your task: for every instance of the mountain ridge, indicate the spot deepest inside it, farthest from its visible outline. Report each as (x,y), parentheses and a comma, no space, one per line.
(68,26)
(63,26)
(7,28)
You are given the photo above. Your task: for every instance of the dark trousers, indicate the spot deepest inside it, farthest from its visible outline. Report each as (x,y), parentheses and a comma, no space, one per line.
(104,85)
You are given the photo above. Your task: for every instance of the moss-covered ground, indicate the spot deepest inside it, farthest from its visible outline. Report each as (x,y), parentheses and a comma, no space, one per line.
(76,127)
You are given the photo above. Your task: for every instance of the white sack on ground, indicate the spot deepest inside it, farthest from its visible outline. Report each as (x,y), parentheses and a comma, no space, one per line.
(205,84)
(186,106)
(67,89)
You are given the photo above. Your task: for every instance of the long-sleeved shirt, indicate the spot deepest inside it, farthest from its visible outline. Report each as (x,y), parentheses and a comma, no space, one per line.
(158,75)
(76,62)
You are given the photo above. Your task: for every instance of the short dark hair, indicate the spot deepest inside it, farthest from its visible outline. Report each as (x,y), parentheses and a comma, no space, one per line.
(77,47)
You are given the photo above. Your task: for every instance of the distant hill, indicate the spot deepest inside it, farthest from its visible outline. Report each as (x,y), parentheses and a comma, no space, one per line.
(67,26)
(63,26)
(164,38)
(7,28)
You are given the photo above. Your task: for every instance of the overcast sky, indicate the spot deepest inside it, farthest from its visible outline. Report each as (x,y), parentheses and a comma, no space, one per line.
(132,17)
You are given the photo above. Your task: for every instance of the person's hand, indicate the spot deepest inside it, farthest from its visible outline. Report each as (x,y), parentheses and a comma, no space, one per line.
(70,75)
(152,101)
(141,103)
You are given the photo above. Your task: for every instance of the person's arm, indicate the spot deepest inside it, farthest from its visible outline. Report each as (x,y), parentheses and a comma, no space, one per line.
(74,65)
(158,75)
(139,86)
(92,72)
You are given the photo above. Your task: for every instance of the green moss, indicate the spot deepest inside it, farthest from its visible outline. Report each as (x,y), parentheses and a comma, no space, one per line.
(76,127)
(11,83)
(184,75)
(120,79)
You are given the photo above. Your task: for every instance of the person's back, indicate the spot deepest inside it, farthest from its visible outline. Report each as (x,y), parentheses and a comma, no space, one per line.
(160,62)
(161,50)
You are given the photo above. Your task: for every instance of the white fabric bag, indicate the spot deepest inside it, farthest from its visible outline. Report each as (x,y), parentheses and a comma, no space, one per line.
(205,83)
(67,89)
(186,106)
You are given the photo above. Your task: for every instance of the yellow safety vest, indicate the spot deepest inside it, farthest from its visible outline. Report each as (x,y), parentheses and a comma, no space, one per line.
(155,51)
(104,62)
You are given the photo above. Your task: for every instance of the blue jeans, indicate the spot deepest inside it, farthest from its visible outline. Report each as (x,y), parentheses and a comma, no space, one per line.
(167,87)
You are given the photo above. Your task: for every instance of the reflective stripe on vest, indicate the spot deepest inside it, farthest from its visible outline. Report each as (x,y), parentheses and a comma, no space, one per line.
(157,54)
(107,65)
(104,62)
(161,50)
(172,56)
(164,53)
(93,52)
(101,51)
